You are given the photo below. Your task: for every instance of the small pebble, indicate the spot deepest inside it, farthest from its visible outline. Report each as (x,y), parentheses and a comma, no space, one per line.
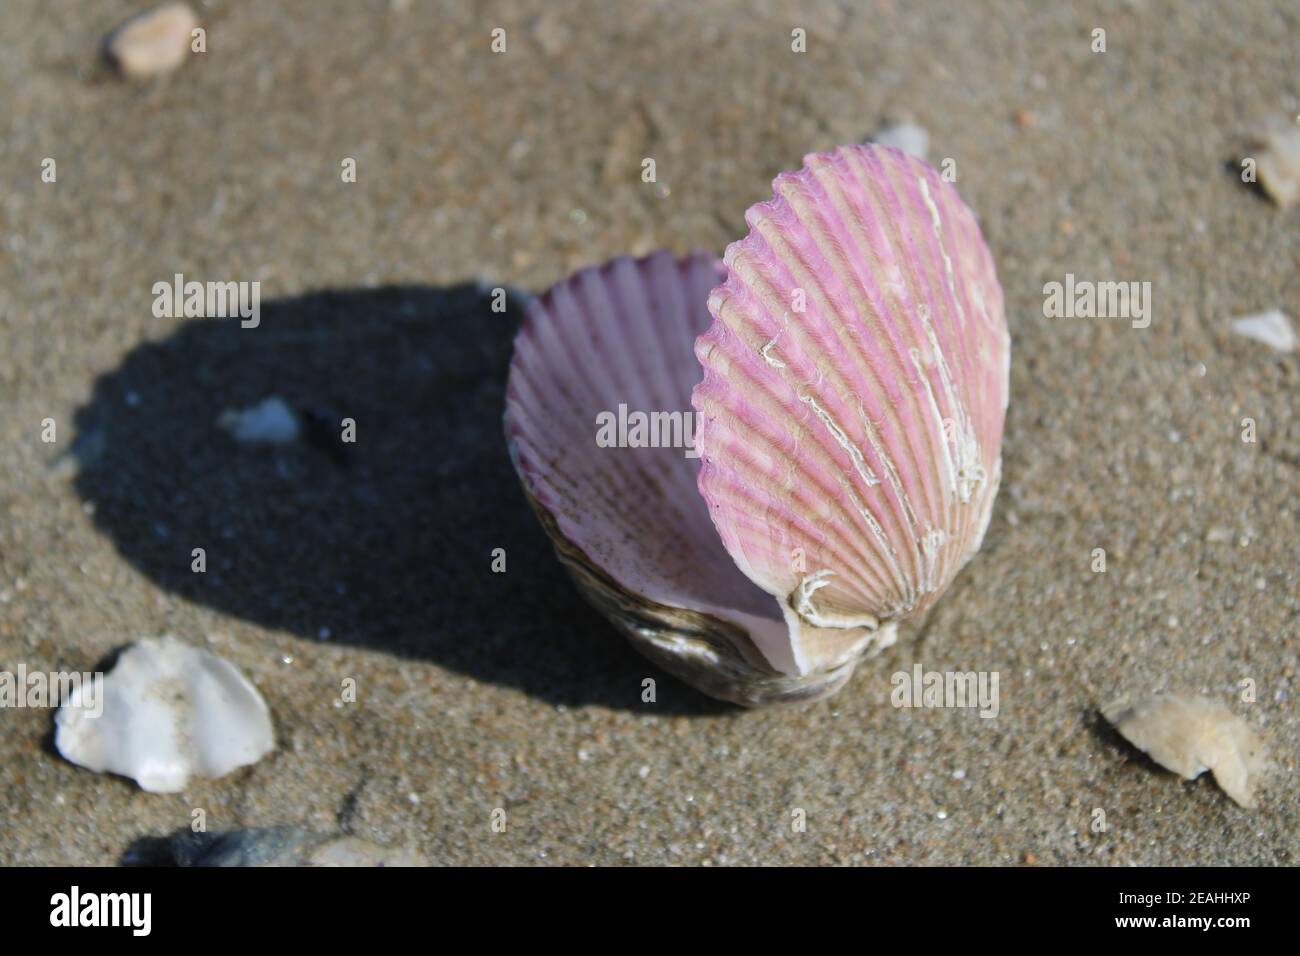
(269,422)
(153,43)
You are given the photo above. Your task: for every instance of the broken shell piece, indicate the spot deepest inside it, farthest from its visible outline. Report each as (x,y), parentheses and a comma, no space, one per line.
(1190,735)
(910,138)
(1277,163)
(165,712)
(1272,328)
(269,422)
(850,420)
(157,41)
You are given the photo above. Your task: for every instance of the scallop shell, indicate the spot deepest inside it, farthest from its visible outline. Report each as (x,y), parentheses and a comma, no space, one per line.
(855,385)
(850,441)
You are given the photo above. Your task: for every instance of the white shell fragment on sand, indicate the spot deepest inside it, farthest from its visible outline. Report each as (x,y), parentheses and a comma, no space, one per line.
(169,711)
(1272,328)
(1190,735)
(908,137)
(269,422)
(1277,164)
(154,42)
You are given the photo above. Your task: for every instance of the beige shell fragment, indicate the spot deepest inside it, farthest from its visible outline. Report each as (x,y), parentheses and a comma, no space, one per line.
(1190,735)
(1278,163)
(154,42)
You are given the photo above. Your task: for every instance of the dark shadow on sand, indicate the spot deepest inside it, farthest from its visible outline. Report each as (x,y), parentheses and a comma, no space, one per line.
(385,543)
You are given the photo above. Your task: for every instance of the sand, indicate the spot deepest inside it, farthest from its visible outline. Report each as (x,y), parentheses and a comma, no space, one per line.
(479,691)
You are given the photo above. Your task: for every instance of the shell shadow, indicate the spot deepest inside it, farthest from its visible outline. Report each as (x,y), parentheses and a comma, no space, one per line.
(386,542)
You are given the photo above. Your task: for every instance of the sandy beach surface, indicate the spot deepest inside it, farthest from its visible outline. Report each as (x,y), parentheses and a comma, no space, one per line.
(480,691)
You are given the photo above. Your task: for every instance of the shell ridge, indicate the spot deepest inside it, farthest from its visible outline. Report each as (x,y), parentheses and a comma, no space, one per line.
(760,388)
(835,252)
(772,449)
(902,193)
(911,441)
(856,277)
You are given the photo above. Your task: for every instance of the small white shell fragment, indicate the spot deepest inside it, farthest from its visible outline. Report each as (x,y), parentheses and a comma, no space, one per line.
(167,711)
(1272,328)
(157,41)
(1277,165)
(908,137)
(1190,735)
(269,422)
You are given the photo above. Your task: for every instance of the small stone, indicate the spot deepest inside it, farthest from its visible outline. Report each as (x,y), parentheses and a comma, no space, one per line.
(153,43)
(269,422)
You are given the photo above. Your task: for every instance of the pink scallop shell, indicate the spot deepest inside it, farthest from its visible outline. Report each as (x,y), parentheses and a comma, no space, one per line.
(623,334)
(851,435)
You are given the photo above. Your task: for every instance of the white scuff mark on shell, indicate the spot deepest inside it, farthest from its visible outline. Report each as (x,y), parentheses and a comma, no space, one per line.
(960,448)
(987,512)
(1190,735)
(934,540)
(892,479)
(969,471)
(890,470)
(885,546)
(1272,328)
(937,222)
(269,422)
(909,137)
(859,462)
(948,467)
(803,605)
(766,352)
(166,712)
